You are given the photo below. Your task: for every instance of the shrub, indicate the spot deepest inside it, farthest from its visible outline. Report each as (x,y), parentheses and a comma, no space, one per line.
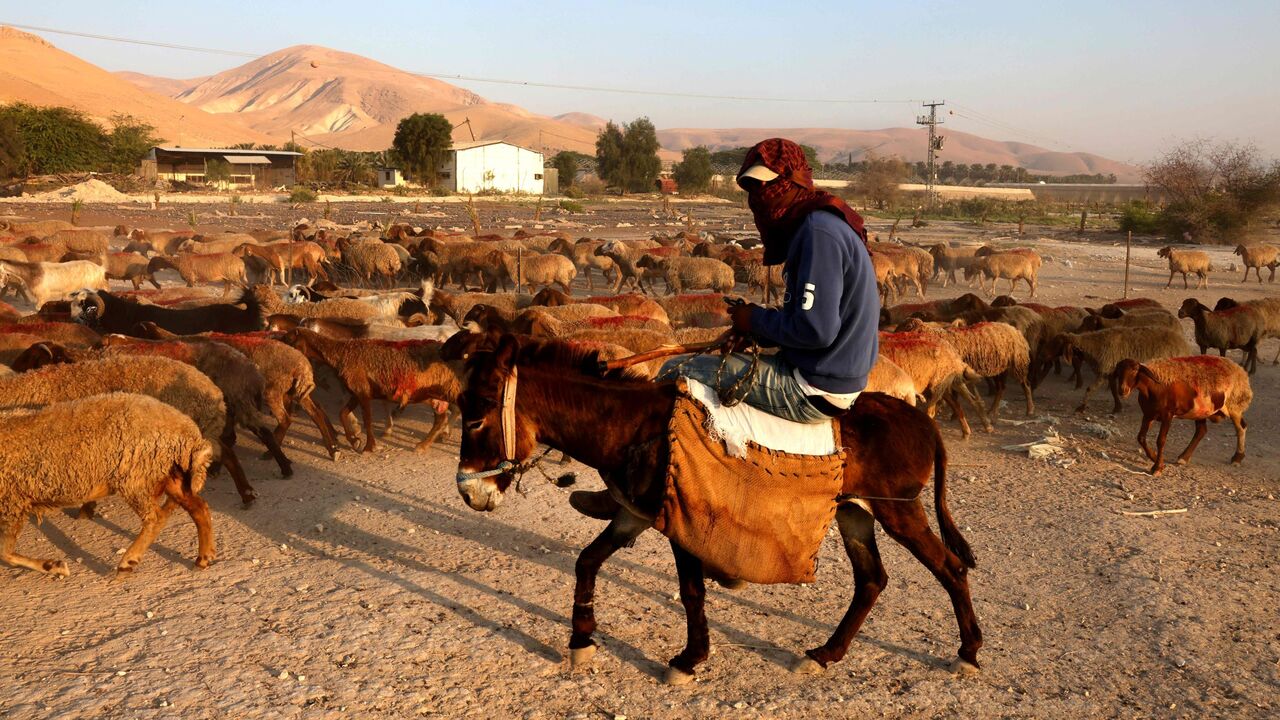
(574,192)
(591,186)
(571,206)
(302,195)
(1138,217)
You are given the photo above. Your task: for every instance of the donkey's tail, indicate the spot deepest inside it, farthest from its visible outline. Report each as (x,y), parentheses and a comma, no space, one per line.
(951,536)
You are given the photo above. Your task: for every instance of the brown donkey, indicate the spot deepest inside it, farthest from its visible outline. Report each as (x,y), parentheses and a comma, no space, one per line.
(618,426)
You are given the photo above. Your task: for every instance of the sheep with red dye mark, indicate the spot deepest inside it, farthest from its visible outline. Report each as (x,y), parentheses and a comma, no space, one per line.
(1199,388)
(1242,326)
(403,372)
(938,371)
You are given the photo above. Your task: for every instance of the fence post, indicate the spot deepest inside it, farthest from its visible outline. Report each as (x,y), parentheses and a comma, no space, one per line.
(1128,243)
(519,278)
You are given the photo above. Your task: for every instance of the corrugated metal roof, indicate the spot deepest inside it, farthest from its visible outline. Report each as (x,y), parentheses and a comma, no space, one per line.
(225,151)
(247,159)
(482,143)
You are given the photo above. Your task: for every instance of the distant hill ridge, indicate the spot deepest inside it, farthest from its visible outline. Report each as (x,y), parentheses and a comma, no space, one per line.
(344,100)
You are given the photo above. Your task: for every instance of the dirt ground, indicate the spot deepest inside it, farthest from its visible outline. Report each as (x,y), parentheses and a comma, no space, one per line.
(366,588)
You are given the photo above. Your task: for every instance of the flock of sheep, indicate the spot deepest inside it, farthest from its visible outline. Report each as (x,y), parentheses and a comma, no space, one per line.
(152,384)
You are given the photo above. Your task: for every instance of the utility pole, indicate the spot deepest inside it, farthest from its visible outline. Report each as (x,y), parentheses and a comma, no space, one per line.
(935,146)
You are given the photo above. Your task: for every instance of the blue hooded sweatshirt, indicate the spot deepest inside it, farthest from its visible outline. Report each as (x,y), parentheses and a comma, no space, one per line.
(828,325)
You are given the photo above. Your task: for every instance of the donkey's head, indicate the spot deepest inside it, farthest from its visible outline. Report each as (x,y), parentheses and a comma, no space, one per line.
(494,440)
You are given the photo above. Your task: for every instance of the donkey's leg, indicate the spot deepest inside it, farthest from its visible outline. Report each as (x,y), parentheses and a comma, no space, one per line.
(693,596)
(621,531)
(857,528)
(907,523)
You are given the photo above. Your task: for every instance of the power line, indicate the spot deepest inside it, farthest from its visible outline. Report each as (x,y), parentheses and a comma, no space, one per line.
(498,81)
(971,114)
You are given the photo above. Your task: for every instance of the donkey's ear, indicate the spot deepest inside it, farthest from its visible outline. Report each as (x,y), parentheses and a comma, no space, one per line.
(505,355)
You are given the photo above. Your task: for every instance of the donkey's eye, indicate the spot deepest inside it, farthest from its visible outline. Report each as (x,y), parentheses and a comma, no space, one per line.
(474,424)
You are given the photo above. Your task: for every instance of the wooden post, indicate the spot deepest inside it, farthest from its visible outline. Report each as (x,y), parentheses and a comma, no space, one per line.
(1128,245)
(1083,215)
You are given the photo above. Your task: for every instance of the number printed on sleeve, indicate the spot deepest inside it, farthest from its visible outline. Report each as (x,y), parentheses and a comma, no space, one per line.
(806,302)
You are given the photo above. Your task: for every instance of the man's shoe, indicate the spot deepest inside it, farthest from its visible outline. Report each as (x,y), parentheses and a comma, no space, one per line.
(599,504)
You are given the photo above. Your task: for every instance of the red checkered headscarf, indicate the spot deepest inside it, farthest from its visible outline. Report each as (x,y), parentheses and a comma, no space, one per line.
(781,205)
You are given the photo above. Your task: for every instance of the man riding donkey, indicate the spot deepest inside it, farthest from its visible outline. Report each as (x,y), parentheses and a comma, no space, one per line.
(826,331)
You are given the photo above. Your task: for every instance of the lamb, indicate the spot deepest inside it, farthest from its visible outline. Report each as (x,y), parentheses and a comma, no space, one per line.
(41,282)
(39,228)
(1136,318)
(1187,261)
(1102,350)
(1014,265)
(288,379)
(947,260)
(530,318)
(1256,257)
(1241,327)
(937,371)
(163,242)
(628,304)
(41,252)
(172,382)
(389,305)
(305,256)
(342,308)
(128,445)
(1195,388)
(417,329)
(532,270)
(548,326)
(691,273)
(401,372)
(129,266)
(992,350)
(113,314)
(370,259)
(206,268)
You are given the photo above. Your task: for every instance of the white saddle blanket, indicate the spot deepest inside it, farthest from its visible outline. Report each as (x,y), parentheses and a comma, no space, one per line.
(736,425)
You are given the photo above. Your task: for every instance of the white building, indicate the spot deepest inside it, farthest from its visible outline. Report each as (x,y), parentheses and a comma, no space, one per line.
(492,165)
(390,178)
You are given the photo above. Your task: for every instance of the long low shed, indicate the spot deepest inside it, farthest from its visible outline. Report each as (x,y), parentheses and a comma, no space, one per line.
(249,168)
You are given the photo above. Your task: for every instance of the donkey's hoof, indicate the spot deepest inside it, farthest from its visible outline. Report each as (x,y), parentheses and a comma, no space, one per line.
(963,667)
(676,676)
(581,657)
(805,665)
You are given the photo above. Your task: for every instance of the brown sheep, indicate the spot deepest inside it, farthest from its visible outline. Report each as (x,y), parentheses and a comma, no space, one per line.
(209,268)
(947,260)
(129,266)
(1255,257)
(133,446)
(1187,261)
(533,270)
(1102,350)
(628,304)
(938,371)
(1013,265)
(403,372)
(994,350)
(370,258)
(1240,327)
(691,273)
(1193,388)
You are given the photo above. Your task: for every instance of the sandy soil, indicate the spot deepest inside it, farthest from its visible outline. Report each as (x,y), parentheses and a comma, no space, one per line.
(365,587)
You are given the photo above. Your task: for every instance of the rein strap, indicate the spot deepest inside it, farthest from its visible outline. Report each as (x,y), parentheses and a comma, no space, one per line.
(509,416)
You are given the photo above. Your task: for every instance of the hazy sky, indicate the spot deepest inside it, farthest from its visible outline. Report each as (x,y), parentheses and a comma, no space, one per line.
(1122,79)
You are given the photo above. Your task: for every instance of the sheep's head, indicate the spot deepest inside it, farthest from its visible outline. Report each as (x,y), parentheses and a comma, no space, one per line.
(1165,251)
(41,354)
(1191,307)
(297,294)
(1126,375)
(1225,303)
(1003,301)
(87,307)
(1238,251)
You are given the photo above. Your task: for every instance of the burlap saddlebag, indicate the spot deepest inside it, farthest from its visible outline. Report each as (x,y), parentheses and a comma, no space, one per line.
(760,518)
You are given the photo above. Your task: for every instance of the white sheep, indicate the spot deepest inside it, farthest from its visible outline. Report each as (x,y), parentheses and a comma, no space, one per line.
(40,282)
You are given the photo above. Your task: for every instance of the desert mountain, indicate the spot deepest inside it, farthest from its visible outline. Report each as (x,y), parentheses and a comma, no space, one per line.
(36,72)
(344,100)
(167,87)
(336,98)
(908,144)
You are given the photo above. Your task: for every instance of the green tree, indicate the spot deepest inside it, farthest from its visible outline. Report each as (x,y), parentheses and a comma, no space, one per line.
(610,155)
(693,172)
(811,155)
(216,171)
(11,149)
(56,139)
(733,157)
(640,149)
(566,163)
(1214,189)
(422,141)
(128,143)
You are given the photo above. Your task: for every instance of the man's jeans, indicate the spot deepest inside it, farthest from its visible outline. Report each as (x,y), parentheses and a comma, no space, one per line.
(773,389)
